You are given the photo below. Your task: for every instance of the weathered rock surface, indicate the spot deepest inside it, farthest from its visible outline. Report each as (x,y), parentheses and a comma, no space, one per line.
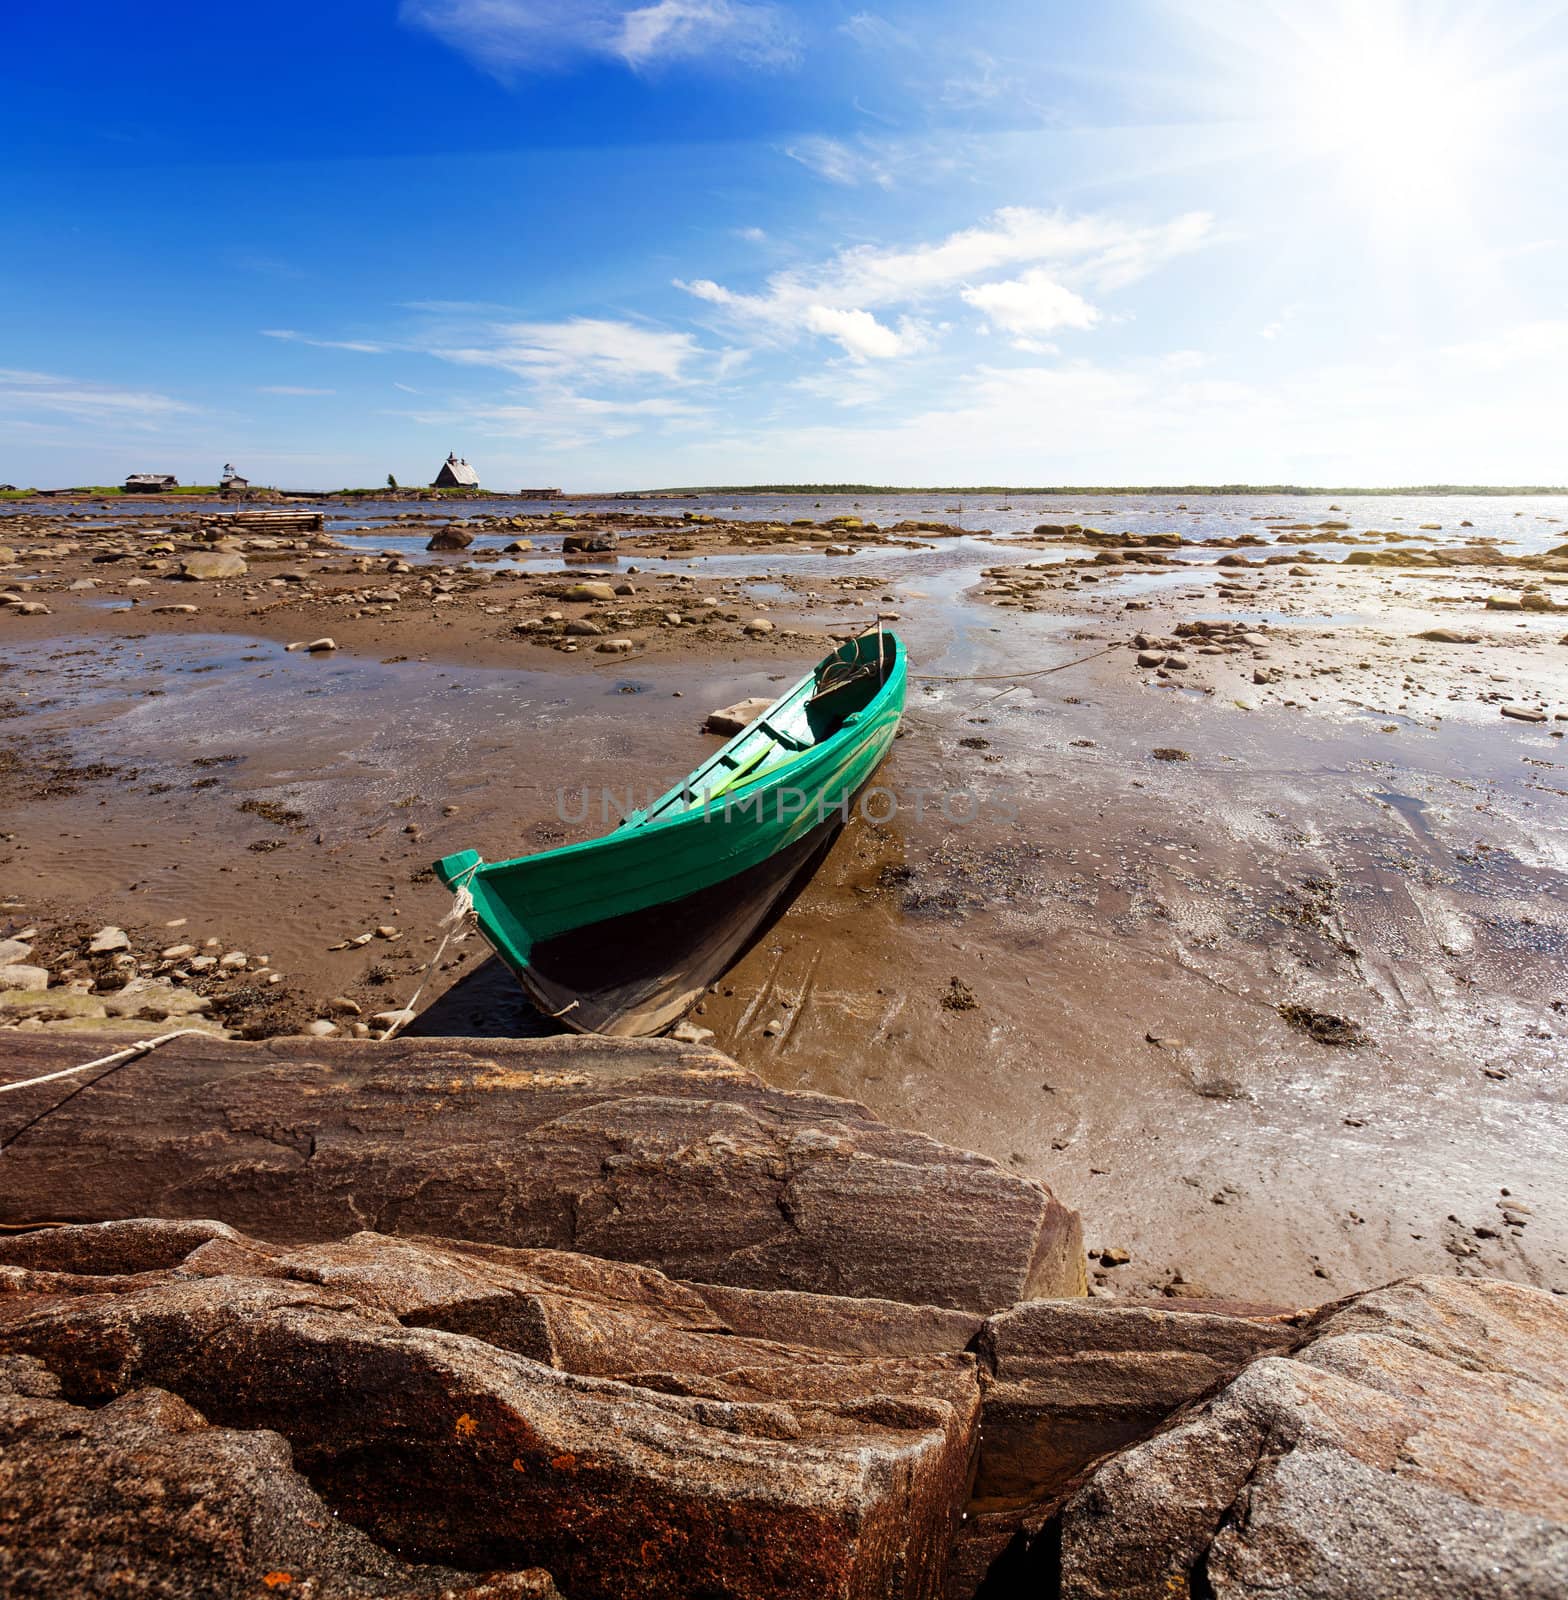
(1416,1445)
(582,543)
(450,538)
(208,565)
(1069,1381)
(729,720)
(635,1150)
(143,1497)
(496,1409)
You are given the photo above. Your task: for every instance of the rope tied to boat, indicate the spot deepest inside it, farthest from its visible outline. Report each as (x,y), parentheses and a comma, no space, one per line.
(455,929)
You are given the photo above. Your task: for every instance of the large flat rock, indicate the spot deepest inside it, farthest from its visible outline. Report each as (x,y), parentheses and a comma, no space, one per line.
(645,1150)
(499,1410)
(1415,1445)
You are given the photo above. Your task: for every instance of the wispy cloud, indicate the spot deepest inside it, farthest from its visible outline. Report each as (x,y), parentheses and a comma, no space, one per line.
(28,393)
(364,347)
(842,163)
(505,37)
(840,297)
(594,347)
(561,419)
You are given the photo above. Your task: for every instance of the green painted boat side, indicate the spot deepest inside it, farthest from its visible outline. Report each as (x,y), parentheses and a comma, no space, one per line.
(797,765)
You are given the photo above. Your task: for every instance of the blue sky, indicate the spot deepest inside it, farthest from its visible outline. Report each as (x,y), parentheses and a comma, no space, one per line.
(604,245)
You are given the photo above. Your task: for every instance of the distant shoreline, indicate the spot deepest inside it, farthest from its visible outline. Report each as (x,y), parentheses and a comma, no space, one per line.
(1079,491)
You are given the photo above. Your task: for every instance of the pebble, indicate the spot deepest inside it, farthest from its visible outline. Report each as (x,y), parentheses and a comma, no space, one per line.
(107,940)
(177,952)
(690,1033)
(320,1028)
(234,958)
(314,646)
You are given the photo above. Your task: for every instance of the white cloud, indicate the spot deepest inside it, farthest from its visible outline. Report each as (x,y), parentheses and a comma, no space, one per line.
(752,235)
(291,388)
(1032,304)
(362,347)
(1099,251)
(861,335)
(507,36)
(1095,251)
(24,393)
(583,346)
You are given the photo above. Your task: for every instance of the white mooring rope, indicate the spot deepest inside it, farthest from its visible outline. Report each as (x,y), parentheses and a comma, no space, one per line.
(141,1047)
(462,910)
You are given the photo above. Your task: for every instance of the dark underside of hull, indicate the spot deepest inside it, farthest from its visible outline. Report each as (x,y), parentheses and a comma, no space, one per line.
(639,973)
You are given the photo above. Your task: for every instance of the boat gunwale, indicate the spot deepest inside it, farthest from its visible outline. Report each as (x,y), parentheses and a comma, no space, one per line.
(643,824)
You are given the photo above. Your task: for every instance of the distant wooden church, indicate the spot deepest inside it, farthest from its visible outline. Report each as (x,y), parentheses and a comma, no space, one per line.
(456,474)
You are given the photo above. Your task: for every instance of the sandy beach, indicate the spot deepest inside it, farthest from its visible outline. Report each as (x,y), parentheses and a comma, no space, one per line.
(1246,931)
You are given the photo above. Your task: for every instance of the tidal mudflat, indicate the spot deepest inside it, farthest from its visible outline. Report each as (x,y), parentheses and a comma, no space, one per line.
(1247,931)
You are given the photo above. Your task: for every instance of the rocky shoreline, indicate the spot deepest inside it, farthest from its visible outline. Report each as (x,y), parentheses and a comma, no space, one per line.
(197,1409)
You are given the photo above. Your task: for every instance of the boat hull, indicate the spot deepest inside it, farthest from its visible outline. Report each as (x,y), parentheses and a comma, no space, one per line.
(620,934)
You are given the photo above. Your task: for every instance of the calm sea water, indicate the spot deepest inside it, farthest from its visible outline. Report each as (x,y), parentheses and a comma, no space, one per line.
(1518,523)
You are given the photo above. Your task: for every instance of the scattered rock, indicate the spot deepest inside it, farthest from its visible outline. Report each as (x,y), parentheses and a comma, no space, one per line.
(594,542)
(450,538)
(1449,636)
(729,720)
(107,940)
(1325,1026)
(313,646)
(209,565)
(1523,713)
(1170,753)
(27,979)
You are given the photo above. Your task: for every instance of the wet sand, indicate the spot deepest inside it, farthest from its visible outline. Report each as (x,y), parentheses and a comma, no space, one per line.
(1146,947)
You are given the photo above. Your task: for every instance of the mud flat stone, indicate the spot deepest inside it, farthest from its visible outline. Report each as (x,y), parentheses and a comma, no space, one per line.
(450,539)
(209,565)
(729,720)
(1416,1444)
(499,1409)
(637,1150)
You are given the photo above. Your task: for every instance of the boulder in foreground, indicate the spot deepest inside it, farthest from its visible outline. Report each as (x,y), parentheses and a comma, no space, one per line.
(493,1411)
(638,1150)
(1415,1446)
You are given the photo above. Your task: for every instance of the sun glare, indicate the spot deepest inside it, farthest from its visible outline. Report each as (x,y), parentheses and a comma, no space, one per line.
(1408,116)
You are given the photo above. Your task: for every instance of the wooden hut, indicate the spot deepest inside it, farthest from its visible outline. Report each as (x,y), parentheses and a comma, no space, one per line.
(150,482)
(456,473)
(231,479)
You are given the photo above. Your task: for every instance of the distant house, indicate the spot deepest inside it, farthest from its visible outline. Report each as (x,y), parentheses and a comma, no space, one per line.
(150,482)
(456,474)
(231,479)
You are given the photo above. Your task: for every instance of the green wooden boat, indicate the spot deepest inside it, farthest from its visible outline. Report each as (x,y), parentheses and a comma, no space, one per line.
(621,934)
